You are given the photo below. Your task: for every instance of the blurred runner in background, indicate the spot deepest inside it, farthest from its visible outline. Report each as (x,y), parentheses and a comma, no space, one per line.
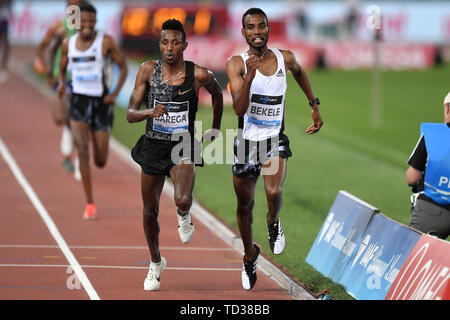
(5,14)
(87,54)
(53,38)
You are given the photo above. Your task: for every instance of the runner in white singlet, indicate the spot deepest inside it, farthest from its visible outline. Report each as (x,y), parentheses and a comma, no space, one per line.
(258,88)
(91,104)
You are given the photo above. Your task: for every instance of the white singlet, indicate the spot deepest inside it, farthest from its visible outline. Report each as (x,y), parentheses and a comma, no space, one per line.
(264,116)
(87,67)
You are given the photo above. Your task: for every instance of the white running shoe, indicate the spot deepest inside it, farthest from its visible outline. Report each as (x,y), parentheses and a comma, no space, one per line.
(76,172)
(185,227)
(277,240)
(3,76)
(152,282)
(66,142)
(248,275)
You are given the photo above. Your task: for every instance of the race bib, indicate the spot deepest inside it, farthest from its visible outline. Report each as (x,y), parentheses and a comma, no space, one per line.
(266,111)
(177,119)
(85,69)
(87,78)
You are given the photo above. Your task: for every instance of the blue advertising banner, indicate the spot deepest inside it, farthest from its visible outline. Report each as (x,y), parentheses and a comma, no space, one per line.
(382,250)
(338,236)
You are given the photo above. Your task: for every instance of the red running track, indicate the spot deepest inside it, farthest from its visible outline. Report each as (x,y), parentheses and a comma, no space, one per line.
(109,254)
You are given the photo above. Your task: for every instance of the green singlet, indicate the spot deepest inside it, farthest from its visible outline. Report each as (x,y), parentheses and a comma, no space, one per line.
(69,32)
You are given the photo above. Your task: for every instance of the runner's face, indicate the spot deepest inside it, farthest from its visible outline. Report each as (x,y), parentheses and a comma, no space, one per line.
(256,31)
(171,46)
(87,24)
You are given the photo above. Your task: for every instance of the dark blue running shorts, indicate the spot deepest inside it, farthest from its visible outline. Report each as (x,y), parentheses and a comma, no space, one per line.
(91,110)
(250,155)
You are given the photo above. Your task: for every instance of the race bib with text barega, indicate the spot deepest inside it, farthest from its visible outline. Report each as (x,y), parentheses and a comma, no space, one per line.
(177,119)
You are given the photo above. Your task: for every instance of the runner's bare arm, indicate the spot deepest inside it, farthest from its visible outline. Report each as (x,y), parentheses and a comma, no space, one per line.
(63,67)
(239,85)
(111,47)
(41,64)
(143,79)
(304,83)
(206,79)
(51,60)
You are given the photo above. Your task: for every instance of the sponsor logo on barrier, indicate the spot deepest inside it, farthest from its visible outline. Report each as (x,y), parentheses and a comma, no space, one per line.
(332,234)
(397,56)
(376,258)
(426,272)
(31,19)
(380,254)
(339,235)
(370,259)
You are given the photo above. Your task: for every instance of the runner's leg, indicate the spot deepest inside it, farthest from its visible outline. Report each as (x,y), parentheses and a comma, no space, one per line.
(151,188)
(100,141)
(183,176)
(273,184)
(245,193)
(80,132)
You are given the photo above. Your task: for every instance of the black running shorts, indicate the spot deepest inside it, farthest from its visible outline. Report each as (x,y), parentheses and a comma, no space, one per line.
(92,111)
(3,27)
(250,155)
(157,157)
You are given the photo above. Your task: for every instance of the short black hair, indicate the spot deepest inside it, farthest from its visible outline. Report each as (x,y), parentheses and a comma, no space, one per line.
(253,11)
(86,6)
(174,24)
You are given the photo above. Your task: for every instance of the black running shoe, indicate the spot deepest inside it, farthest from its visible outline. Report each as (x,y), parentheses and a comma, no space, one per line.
(276,237)
(249,271)
(68,166)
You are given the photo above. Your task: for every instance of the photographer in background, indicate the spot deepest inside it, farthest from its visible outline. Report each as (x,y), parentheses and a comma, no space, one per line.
(429,176)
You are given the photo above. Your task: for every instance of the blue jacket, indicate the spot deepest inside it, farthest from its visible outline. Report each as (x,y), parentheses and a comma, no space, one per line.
(437,173)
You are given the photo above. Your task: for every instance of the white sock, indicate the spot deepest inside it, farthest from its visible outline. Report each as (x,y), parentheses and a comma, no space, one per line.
(66,142)
(155,265)
(183,214)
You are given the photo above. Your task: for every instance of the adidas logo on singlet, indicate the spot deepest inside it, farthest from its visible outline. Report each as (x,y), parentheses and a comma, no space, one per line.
(279,73)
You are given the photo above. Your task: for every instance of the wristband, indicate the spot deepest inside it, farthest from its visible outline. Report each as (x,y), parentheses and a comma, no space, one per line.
(314,101)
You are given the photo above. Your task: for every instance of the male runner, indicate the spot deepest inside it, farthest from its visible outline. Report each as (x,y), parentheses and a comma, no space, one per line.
(170,87)
(258,87)
(54,37)
(86,54)
(5,13)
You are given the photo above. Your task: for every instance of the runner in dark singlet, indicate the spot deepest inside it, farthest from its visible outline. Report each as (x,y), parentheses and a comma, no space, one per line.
(5,12)
(168,147)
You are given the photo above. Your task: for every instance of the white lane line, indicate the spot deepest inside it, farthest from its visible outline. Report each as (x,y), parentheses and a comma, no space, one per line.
(36,246)
(115,267)
(47,220)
